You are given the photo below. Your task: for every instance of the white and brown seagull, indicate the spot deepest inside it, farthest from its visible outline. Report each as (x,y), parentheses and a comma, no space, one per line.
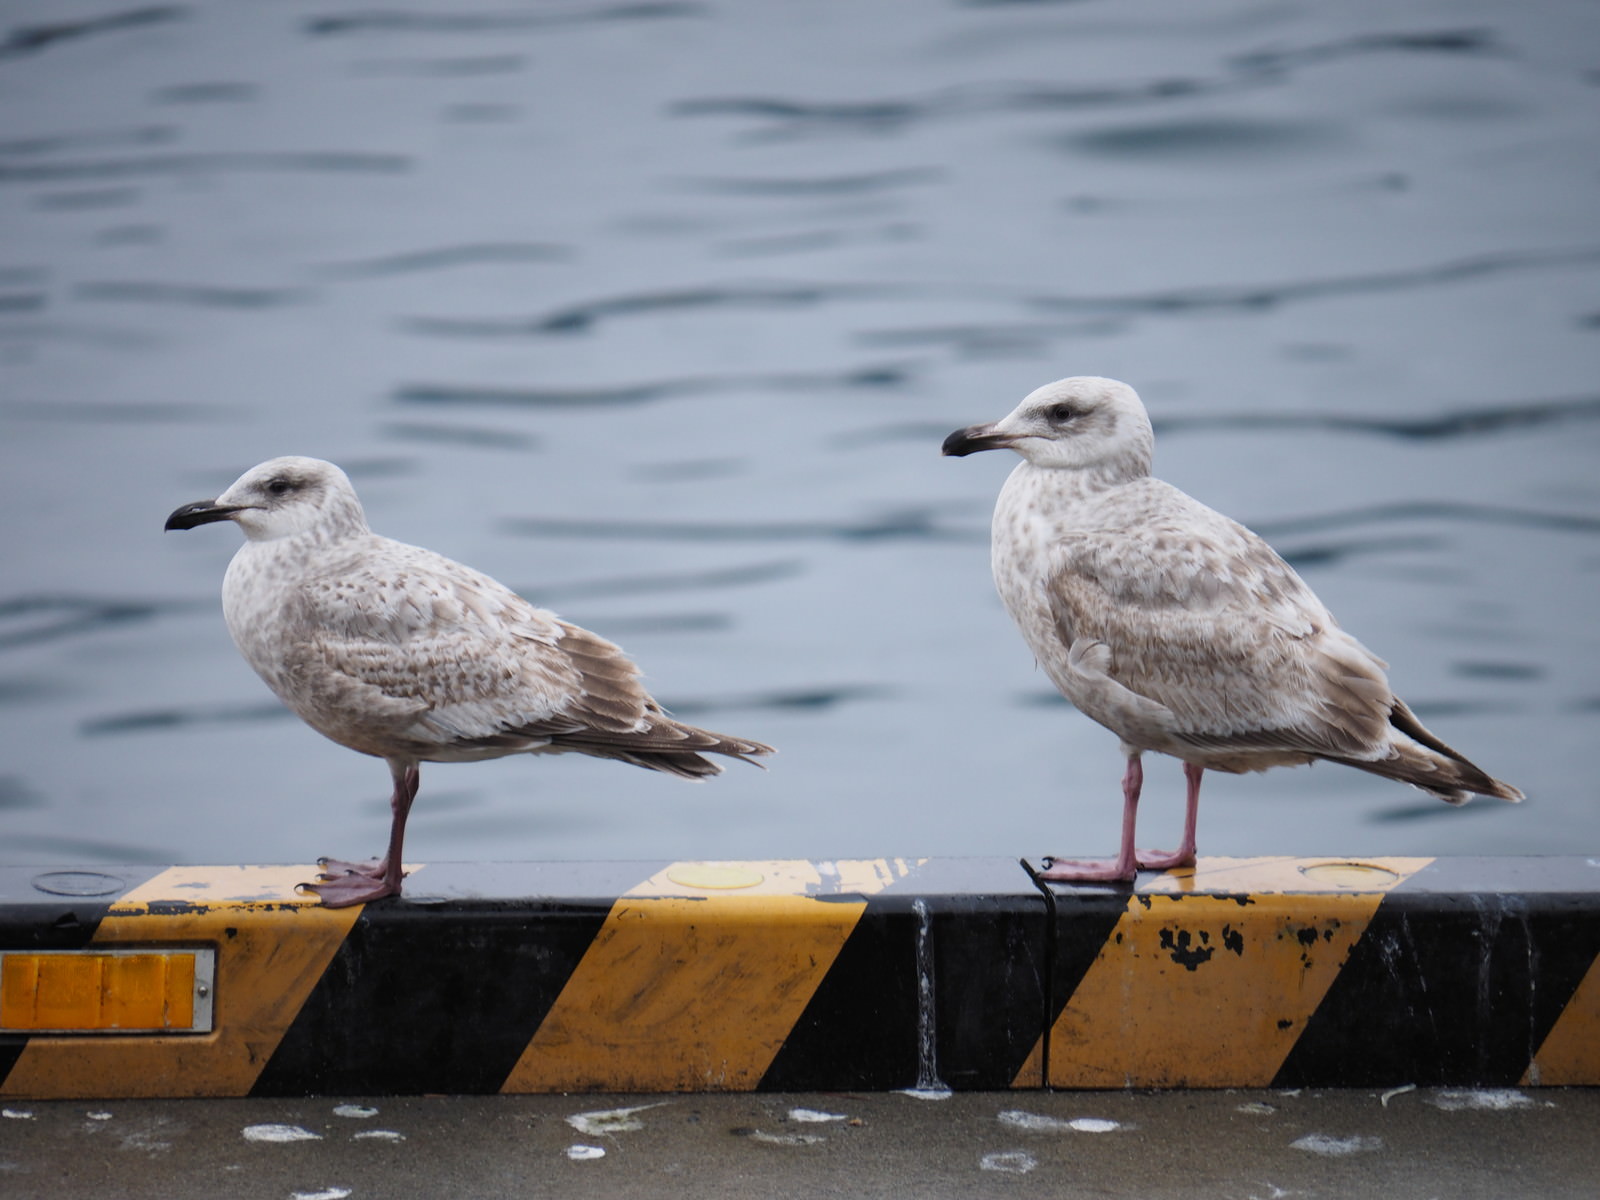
(1180,630)
(403,654)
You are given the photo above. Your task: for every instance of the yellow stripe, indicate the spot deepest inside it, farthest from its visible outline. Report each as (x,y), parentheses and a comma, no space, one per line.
(266,969)
(1570,1055)
(1205,990)
(697,977)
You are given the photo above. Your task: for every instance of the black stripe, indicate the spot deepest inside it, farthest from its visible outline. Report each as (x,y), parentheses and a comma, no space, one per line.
(1457,980)
(444,995)
(985,931)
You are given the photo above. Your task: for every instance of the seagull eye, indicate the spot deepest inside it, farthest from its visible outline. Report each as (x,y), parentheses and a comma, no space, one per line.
(1062,413)
(280,486)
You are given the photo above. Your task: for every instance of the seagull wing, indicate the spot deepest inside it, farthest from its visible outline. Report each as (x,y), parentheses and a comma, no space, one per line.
(403,645)
(1204,618)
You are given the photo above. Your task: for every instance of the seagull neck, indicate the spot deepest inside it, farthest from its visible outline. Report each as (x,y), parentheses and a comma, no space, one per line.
(1073,483)
(316,537)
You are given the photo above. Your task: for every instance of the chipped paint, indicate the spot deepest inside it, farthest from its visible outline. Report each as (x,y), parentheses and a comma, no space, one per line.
(581,1153)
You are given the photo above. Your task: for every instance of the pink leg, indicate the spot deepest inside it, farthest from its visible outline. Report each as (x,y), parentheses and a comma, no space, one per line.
(1125,866)
(343,884)
(1183,856)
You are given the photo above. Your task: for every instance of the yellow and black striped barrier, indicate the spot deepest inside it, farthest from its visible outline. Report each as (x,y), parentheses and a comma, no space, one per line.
(799,975)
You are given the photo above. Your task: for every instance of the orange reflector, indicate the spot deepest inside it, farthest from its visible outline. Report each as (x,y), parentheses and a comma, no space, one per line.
(106,991)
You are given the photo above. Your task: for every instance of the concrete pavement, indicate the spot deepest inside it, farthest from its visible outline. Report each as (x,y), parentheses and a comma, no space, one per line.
(1231,1145)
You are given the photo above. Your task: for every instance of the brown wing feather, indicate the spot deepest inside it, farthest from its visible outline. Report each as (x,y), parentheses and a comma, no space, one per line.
(1215,626)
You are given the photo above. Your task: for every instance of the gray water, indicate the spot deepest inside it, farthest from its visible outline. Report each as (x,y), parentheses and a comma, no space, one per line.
(658,312)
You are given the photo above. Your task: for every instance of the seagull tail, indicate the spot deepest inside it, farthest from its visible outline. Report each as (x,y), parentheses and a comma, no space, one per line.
(1418,757)
(673,748)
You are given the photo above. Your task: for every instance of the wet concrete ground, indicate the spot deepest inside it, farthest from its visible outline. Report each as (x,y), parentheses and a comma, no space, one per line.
(1418,1143)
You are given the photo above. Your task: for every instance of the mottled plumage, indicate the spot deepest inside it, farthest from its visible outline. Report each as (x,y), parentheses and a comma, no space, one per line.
(1176,628)
(403,654)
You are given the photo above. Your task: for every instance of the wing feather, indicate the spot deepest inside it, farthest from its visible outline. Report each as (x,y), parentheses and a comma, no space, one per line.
(438,655)
(1204,618)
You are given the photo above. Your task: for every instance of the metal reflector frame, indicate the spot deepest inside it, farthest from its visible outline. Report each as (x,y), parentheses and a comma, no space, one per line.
(107,990)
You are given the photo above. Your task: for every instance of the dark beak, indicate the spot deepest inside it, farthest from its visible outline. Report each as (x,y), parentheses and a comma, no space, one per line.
(201,512)
(972,439)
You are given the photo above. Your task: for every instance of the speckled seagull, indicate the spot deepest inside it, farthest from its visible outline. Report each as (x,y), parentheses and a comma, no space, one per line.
(1176,628)
(400,653)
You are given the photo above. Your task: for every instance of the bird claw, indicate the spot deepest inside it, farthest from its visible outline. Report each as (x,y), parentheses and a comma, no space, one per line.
(350,889)
(338,868)
(1072,870)
(1164,860)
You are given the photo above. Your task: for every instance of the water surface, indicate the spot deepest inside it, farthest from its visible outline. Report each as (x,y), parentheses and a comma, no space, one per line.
(659,312)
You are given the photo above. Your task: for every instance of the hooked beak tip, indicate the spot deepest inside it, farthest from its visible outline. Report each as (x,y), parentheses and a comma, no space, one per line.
(973,439)
(201,512)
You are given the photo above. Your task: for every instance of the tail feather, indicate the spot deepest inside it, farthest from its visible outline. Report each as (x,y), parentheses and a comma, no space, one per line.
(1417,756)
(667,745)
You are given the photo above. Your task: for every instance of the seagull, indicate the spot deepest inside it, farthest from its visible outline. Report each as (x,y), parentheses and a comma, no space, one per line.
(1176,628)
(403,654)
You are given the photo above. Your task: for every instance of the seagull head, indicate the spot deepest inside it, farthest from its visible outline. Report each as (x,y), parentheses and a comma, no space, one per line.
(1081,423)
(280,498)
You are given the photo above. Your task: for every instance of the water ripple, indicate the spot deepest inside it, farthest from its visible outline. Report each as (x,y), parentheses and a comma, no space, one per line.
(1208,141)
(206,93)
(103,412)
(813,699)
(30,39)
(16,794)
(317,161)
(904,524)
(134,291)
(1303,558)
(1440,41)
(1463,422)
(799,118)
(29,620)
(471,254)
(78,850)
(1431,510)
(636,585)
(459,435)
(472,66)
(581,318)
(22,302)
(1262,296)
(621,395)
(158,719)
(826,185)
(397,21)
(139,135)
(88,199)
(787,117)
